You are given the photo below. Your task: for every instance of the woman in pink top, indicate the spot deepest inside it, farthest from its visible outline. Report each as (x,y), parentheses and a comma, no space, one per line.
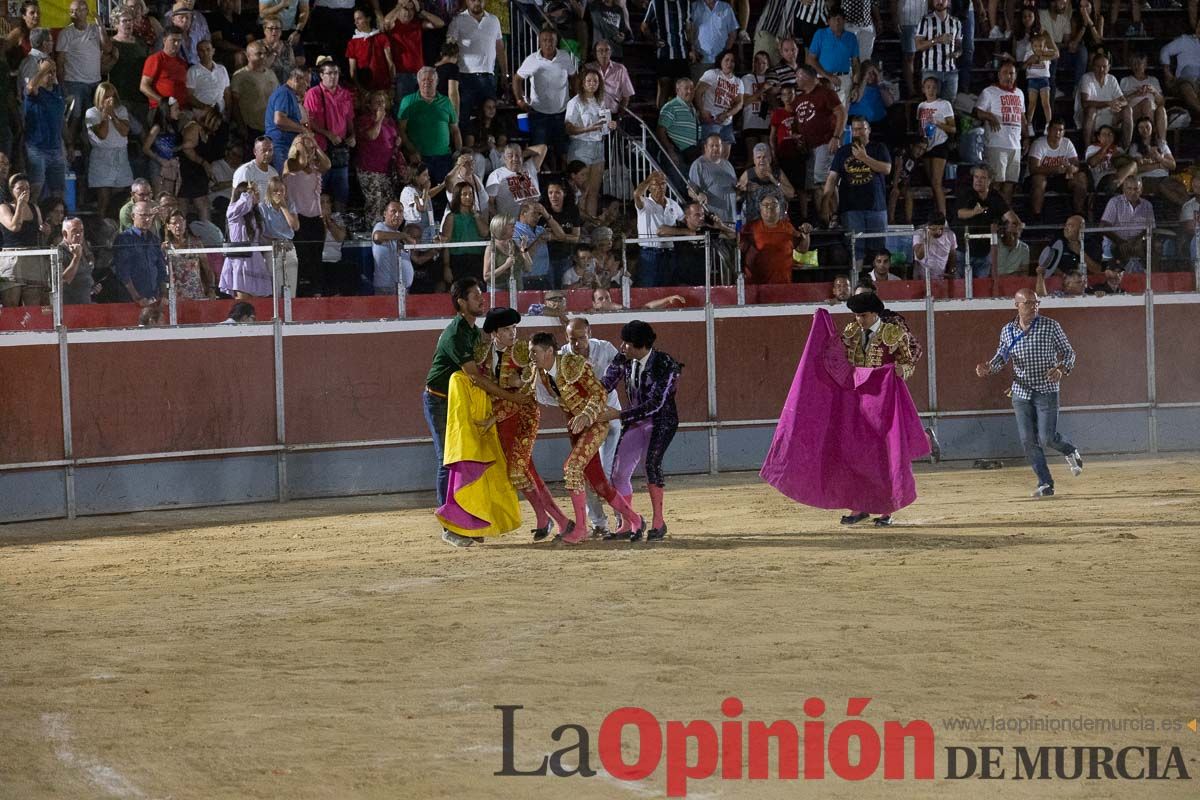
(302,175)
(377,140)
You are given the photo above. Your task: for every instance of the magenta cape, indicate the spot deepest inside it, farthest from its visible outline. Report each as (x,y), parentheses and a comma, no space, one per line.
(847,435)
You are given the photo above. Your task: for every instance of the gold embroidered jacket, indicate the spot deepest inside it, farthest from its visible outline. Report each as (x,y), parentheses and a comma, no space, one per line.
(893,344)
(513,363)
(579,390)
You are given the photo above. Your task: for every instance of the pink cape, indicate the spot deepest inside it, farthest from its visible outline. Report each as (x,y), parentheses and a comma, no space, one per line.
(847,435)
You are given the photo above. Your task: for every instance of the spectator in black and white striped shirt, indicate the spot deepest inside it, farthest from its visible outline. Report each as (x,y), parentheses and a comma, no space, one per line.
(667,22)
(810,17)
(939,40)
(784,73)
(774,24)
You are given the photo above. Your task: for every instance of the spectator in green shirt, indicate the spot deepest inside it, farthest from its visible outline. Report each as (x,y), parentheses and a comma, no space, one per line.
(678,126)
(456,350)
(433,133)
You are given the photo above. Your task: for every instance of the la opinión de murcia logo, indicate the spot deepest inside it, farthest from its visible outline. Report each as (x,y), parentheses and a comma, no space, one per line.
(737,749)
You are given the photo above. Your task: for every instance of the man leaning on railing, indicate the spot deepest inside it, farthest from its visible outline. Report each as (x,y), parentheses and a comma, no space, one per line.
(689,264)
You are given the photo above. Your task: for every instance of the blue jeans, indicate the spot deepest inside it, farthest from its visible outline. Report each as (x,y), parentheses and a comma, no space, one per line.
(865,222)
(967,60)
(435,418)
(47,169)
(1078,61)
(1037,423)
(280,146)
(654,267)
(473,89)
(84,94)
(981,263)
(336,184)
(948,82)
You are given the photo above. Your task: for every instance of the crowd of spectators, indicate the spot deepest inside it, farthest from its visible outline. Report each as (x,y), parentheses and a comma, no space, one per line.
(300,126)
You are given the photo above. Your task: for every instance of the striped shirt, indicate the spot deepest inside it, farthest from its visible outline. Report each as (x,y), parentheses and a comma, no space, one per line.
(813,13)
(670,19)
(679,120)
(1034,353)
(940,57)
(776,18)
(782,74)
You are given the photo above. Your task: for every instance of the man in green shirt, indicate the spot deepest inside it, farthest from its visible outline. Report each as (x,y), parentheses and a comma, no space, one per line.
(428,126)
(678,126)
(140,192)
(456,350)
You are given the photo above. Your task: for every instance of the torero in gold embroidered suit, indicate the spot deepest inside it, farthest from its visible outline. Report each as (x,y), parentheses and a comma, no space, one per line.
(506,360)
(567,380)
(516,423)
(894,343)
(579,392)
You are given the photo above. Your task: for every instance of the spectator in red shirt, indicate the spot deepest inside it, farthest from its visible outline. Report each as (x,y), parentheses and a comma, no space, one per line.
(785,147)
(818,117)
(165,72)
(767,245)
(404,24)
(370,54)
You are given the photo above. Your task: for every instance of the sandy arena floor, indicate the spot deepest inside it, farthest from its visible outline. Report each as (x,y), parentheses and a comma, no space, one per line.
(336,649)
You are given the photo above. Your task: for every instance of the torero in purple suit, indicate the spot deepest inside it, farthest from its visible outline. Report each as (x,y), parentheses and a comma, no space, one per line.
(650,419)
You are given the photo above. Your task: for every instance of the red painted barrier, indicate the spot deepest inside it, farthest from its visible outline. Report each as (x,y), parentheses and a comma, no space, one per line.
(164,394)
(428,306)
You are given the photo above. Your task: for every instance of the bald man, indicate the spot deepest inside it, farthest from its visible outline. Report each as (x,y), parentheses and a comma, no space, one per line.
(77,263)
(600,355)
(1041,358)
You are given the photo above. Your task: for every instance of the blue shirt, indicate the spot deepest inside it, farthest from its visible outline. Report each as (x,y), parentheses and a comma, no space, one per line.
(44,116)
(391,264)
(276,223)
(138,257)
(539,255)
(834,52)
(870,106)
(282,99)
(713,27)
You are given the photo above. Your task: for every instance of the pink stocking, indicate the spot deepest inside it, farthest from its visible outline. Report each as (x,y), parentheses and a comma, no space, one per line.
(630,520)
(656,503)
(539,506)
(625,523)
(560,519)
(579,501)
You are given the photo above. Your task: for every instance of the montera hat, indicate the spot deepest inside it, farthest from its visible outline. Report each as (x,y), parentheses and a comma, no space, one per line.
(500,317)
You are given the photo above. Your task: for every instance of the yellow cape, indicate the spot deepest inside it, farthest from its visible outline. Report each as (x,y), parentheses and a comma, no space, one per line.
(490,497)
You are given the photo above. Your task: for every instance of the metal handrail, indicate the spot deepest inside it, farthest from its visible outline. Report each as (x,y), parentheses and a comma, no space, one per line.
(648,135)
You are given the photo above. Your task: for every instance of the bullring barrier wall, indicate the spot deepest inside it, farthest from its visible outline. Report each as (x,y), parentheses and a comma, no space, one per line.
(115,420)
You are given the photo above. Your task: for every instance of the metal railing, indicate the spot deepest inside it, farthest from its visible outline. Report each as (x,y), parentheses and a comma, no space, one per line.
(644,142)
(524,39)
